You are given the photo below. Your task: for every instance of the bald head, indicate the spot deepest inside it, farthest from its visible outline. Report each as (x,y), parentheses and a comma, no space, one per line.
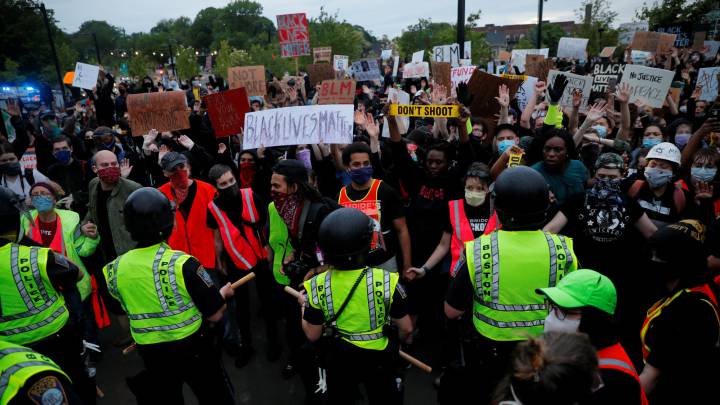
(105,165)
(104,158)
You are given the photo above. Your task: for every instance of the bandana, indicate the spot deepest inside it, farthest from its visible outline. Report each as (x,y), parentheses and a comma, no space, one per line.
(289,207)
(180,184)
(247,174)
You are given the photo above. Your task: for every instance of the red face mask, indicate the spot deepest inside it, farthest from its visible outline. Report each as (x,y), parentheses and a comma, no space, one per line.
(180,180)
(109,175)
(247,174)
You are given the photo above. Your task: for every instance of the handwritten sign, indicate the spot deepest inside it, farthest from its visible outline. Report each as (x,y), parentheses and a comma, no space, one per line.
(227,111)
(640,57)
(86,76)
(656,42)
(447,53)
(582,83)
(293,34)
(329,124)
(572,48)
(441,74)
(461,74)
(602,74)
(628,29)
(337,92)
(396,65)
(318,72)
(166,111)
(252,78)
(416,70)
(649,84)
(518,56)
(397,96)
(322,54)
(418,56)
(708,79)
(712,48)
(366,70)
(341,63)
(525,91)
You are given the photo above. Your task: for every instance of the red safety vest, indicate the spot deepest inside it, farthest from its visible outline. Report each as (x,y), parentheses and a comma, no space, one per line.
(57,244)
(461,232)
(193,236)
(615,358)
(243,246)
(370,206)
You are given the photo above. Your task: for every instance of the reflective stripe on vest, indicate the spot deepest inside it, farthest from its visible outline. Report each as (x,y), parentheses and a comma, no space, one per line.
(370,206)
(237,246)
(42,310)
(615,358)
(18,365)
(461,233)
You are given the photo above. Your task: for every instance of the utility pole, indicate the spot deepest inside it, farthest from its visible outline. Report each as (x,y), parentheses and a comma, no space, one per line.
(52,48)
(97,49)
(538,43)
(461,29)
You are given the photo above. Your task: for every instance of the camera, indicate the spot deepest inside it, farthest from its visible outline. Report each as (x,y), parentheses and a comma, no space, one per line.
(297,269)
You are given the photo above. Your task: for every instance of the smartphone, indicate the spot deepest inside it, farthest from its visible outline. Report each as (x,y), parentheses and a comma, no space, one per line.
(612,84)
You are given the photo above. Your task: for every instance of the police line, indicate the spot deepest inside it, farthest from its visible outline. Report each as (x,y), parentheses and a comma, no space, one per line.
(432,110)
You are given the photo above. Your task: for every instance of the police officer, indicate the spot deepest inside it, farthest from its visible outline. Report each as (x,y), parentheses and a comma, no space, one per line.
(33,310)
(500,273)
(351,306)
(166,295)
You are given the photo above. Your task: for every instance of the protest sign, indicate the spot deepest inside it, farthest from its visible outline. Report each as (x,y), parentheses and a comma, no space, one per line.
(699,41)
(649,84)
(484,88)
(525,91)
(582,83)
(386,54)
(430,111)
(461,75)
(418,56)
(708,79)
(538,66)
(465,62)
(627,30)
(317,72)
(640,57)
(416,70)
(602,74)
(341,63)
(396,65)
(607,52)
(447,53)
(711,48)
(366,70)
(683,33)
(518,56)
(572,48)
(441,74)
(467,50)
(656,42)
(166,111)
(293,34)
(329,124)
(504,56)
(322,54)
(252,78)
(337,92)
(397,96)
(227,111)
(86,76)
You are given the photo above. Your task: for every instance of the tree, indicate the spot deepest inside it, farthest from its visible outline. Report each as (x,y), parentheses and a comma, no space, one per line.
(599,31)
(551,34)
(427,34)
(139,66)
(186,63)
(108,36)
(675,11)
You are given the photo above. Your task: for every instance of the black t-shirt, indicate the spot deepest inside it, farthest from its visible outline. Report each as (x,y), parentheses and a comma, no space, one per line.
(201,288)
(618,388)
(478,218)
(106,239)
(663,208)
(391,208)
(460,291)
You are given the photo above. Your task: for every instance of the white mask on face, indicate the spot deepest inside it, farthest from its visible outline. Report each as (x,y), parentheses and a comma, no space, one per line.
(555,324)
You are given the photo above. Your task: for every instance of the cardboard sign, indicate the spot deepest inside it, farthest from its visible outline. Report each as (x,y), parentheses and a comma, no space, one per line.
(329,124)
(441,74)
(656,42)
(518,56)
(366,70)
(583,83)
(708,79)
(418,56)
(699,41)
(683,33)
(252,78)
(293,34)
(341,63)
(431,111)
(227,111)
(538,66)
(607,52)
(525,91)
(317,72)
(447,53)
(504,56)
(461,75)
(166,111)
(572,48)
(397,96)
(322,54)
(86,76)
(484,88)
(628,29)
(337,92)
(416,70)
(712,48)
(602,74)
(649,84)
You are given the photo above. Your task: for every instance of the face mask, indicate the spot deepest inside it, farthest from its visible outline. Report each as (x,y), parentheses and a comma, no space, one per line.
(196,83)
(705,174)
(657,177)
(304,157)
(475,198)
(247,174)
(361,175)
(180,179)
(11,169)
(63,156)
(109,175)
(649,143)
(504,145)
(229,193)
(43,203)
(555,324)
(108,146)
(681,140)
(683,109)
(601,130)
(605,190)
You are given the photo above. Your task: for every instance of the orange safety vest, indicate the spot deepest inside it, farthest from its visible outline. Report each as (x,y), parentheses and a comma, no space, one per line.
(461,232)
(57,244)
(615,358)
(242,245)
(193,236)
(370,206)
(493,224)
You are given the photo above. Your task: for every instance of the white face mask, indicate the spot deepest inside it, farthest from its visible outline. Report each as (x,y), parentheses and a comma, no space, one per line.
(555,324)
(475,198)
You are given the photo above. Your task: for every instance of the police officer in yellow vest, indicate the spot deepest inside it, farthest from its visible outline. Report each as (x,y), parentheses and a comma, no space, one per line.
(499,277)
(32,308)
(166,295)
(29,377)
(351,305)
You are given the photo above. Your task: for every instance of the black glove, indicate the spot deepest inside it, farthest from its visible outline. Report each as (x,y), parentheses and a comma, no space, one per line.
(463,95)
(557,88)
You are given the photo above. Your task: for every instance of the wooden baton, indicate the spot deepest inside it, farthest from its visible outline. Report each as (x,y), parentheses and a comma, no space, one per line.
(243,280)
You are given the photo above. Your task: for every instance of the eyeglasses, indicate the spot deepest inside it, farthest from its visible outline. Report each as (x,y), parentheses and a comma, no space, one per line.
(561,313)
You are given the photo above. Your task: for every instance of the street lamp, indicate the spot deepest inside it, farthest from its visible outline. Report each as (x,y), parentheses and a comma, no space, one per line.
(46,21)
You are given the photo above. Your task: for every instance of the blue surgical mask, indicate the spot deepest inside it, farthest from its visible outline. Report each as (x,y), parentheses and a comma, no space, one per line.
(705,174)
(504,145)
(63,156)
(601,130)
(682,139)
(43,203)
(650,142)
(657,177)
(361,175)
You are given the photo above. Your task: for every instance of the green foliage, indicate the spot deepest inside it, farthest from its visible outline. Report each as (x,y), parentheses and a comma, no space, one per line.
(139,66)
(599,31)
(186,63)
(551,34)
(675,11)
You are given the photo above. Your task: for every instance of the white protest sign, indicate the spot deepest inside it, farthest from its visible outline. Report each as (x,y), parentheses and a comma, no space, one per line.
(366,70)
(525,91)
(572,48)
(461,74)
(708,79)
(649,84)
(627,30)
(467,52)
(416,70)
(386,54)
(396,63)
(712,49)
(397,97)
(640,57)
(447,53)
(340,63)
(86,76)
(465,62)
(329,124)
(418,56)
(491,67)
(517,57)
(582,83)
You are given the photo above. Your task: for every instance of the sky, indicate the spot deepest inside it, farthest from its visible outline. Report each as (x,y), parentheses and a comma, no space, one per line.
(378,16)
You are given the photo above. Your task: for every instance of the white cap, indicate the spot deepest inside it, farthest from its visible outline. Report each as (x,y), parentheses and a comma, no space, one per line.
(665,151)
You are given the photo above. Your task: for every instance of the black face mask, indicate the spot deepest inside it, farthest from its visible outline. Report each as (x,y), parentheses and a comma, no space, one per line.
(11,169)
(229,194)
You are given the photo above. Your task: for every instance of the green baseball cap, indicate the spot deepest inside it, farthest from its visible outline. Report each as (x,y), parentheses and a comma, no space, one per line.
(583,288)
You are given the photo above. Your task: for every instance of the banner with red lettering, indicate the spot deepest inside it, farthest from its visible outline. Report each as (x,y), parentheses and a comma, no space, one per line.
(337,92)
(294,35)
(227,111)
